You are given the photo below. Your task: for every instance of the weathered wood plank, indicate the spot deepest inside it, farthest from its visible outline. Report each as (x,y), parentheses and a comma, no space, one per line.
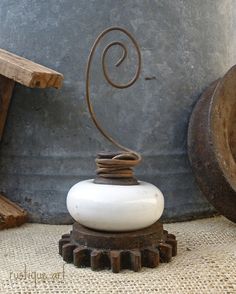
(11,214)
(6,88)
(28,73)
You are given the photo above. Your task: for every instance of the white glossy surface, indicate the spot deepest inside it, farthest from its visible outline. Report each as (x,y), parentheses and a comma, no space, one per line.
(113,207)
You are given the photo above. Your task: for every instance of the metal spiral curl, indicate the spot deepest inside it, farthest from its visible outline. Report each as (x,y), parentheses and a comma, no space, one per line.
(113,168)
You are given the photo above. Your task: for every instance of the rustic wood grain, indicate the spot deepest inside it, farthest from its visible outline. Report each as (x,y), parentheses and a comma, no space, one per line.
(11,215)
(6,89)
(28,73)
(13,69)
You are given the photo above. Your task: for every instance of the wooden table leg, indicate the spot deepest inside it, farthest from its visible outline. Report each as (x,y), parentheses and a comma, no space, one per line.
(6,89)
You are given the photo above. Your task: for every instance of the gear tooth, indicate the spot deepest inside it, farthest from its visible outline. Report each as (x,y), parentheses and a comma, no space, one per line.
(95,259)
(67,252)
(62,242)
(173,244)
(171,236)
(65,236)
(81,256)
(135,260)
(115,261)
(165,252)
(150,257)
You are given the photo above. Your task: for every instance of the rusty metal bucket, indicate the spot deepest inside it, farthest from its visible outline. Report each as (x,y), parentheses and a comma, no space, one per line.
(212,144)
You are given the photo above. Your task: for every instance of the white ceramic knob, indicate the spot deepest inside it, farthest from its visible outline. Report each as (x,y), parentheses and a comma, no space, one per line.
(115,207)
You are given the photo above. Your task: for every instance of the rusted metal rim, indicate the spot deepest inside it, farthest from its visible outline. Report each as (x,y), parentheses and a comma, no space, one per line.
(212,144)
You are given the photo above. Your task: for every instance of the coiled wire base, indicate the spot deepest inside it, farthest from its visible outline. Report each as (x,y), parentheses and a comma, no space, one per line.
(116,168)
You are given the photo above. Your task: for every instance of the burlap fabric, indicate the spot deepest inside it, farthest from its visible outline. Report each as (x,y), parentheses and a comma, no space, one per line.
(206,263)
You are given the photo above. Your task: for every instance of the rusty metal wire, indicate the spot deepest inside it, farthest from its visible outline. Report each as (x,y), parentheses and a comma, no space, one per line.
(116,166)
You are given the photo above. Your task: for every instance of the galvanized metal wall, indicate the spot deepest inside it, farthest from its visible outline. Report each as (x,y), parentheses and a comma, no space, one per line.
(50,142)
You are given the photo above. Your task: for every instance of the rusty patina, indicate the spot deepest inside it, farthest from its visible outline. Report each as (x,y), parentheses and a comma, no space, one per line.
(212,144)
(129,250)
(114,168)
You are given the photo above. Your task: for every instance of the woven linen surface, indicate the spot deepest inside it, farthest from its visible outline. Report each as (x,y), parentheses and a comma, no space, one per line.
(206,263)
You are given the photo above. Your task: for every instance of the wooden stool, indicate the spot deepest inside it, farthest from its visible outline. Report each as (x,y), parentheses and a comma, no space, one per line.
(14,69)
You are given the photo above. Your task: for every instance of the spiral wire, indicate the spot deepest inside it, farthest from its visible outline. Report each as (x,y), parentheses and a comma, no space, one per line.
(115,168)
